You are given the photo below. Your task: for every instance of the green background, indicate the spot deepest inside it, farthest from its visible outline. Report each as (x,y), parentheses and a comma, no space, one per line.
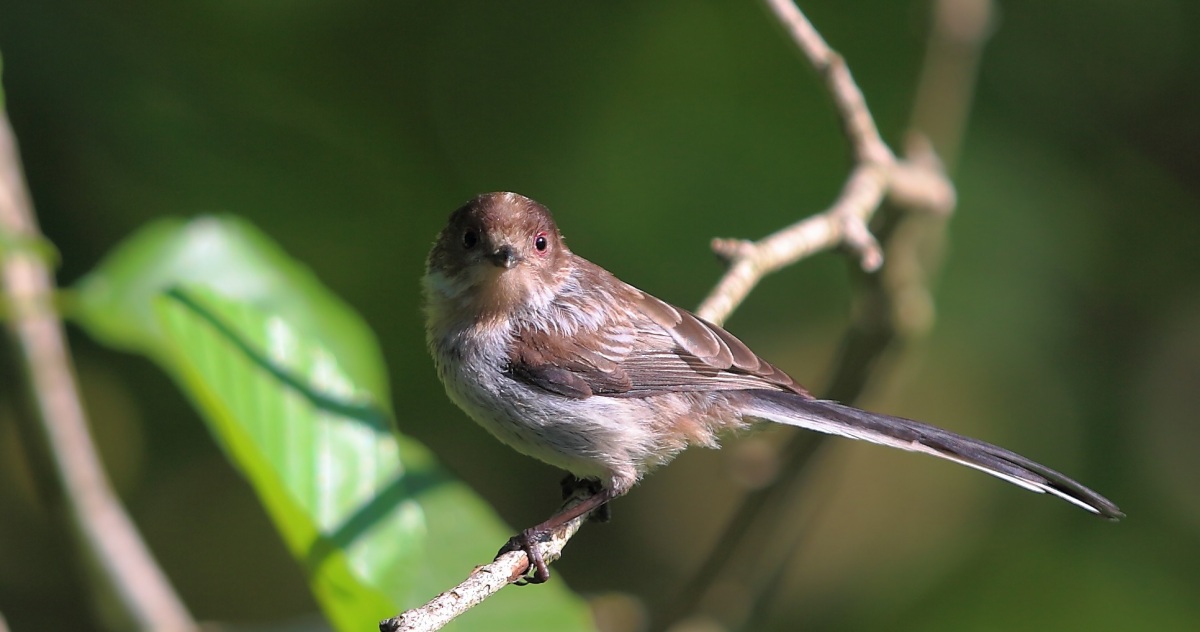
(1068,309)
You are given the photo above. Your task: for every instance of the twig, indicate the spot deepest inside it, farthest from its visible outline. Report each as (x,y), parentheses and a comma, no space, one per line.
(890,306)
(106,536)
(876,176)
(918,184)
(857,123)
(484,581)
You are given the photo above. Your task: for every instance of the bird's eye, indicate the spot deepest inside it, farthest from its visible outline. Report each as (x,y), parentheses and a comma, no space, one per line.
(470,238)
(540,242)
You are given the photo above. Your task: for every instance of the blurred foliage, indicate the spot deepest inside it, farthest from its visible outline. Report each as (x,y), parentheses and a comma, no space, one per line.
(1068,313)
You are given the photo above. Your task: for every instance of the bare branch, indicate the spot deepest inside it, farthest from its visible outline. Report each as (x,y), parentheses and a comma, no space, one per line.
(857,122)
(947,83)
(484,581)
(890,307)
(842,223)
(917,184)
(106,535)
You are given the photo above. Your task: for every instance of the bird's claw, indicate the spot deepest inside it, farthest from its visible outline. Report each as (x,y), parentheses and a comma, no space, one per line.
(527,541)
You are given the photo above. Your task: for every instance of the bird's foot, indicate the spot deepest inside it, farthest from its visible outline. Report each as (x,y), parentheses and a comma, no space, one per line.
(537,572)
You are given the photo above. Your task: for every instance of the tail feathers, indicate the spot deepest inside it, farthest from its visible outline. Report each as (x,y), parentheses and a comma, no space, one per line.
(837,419)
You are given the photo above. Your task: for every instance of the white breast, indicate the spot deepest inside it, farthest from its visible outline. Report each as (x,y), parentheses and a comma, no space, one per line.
(598,437)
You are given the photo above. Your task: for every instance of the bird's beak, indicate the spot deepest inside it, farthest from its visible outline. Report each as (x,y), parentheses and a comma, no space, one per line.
(504,257)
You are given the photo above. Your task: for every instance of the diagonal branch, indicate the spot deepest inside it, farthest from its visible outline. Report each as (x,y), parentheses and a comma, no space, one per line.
(485,581)
(857,123)
(110,542)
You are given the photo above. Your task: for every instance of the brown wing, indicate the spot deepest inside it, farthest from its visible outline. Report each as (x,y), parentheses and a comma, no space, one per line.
(697,340)
(643,347)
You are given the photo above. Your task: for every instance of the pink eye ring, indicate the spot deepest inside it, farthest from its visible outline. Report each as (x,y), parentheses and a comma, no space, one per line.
(540,243)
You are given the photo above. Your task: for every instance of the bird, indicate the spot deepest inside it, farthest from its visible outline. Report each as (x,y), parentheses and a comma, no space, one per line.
(564,362)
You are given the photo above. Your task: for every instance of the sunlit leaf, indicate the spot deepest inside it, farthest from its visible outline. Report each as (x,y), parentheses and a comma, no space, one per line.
(233,258)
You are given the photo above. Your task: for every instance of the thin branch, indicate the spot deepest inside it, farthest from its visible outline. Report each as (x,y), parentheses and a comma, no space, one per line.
(857,123)
(844,223)
(946,86)
(106,536)
(917,184)
(891,306)
(484,581)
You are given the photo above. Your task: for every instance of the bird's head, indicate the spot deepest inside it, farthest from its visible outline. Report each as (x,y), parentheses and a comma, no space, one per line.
(498,252)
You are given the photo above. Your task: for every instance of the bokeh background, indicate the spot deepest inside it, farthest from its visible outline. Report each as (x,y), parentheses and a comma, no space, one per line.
(1068,322)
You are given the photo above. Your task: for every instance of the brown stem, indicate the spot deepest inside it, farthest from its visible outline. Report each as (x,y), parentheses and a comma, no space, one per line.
(58,436)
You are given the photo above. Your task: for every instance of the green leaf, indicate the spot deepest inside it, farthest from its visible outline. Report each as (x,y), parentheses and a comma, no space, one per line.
(257,343)
(233,258)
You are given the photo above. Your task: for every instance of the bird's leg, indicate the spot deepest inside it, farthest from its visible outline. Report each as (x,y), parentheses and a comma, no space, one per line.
(528,539)
(570,484)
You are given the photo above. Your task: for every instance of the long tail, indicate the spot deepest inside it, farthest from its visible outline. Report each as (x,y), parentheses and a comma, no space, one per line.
(906,434)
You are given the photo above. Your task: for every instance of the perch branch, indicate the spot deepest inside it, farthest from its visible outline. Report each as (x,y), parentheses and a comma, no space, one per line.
(877,175)
(114,550)
(484,581)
